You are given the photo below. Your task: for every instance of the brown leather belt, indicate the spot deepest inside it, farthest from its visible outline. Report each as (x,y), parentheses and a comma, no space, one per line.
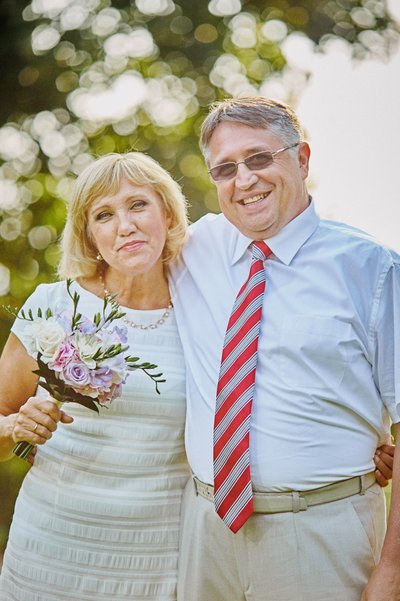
(267,502)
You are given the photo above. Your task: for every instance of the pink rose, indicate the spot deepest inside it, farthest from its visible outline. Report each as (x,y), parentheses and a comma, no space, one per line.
(66,353)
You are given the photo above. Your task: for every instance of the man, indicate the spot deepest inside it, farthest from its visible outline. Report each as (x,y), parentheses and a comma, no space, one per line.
(284,503)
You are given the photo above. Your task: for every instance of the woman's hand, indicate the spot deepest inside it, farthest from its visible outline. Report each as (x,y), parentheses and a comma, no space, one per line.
(383,460)
(33,420)
(37,419)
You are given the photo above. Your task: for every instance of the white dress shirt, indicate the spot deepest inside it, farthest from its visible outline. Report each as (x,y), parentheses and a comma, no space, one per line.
(328,372)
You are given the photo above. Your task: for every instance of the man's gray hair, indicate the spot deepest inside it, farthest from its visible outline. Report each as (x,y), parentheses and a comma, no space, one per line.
(254,111)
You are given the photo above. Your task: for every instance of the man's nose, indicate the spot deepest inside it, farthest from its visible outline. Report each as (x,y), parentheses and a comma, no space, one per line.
(245,177)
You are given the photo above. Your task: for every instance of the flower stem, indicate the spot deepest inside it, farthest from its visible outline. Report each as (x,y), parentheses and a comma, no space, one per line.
(23,449)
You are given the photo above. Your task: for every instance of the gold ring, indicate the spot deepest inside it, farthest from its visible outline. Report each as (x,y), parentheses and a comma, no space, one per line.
(35,428)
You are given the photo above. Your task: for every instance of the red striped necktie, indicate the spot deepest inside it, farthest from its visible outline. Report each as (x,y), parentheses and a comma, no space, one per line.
(233,495)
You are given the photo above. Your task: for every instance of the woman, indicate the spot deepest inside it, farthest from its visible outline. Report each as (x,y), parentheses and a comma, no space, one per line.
(97,516)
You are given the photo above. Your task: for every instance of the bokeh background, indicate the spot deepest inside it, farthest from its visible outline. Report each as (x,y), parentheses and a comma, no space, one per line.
(80,78)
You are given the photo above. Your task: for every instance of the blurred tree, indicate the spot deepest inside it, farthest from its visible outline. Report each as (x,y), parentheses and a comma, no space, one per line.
(84,77)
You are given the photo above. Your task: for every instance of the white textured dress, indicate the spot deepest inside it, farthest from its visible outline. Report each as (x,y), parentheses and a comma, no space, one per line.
(97,517)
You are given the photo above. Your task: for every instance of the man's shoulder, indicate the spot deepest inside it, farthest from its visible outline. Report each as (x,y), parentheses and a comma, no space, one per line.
(350,240)
(345,229)
(209,247)
(210,223)
(213,229)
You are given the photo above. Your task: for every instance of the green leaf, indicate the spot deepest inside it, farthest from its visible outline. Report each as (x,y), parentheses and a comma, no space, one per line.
(85,401)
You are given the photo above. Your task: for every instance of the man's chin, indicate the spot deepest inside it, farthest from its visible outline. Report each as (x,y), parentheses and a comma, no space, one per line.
(257,230)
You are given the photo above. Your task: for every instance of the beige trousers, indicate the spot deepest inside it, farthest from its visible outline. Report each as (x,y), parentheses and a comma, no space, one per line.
(325,553)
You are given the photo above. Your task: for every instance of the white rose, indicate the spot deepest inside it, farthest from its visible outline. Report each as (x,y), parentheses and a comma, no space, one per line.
(48,338)
(87,345)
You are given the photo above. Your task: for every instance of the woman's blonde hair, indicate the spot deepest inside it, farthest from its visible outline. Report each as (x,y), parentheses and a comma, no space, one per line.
(102,178)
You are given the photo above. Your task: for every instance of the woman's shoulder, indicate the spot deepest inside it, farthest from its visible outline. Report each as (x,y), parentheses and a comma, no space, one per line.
(45,296)
(45,292)
(60,291)
(48,293)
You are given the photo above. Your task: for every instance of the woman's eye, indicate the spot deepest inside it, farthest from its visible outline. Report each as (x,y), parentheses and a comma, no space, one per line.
(138,204)
(102,216)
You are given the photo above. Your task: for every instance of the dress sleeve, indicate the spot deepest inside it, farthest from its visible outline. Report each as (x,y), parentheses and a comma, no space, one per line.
(386,343)
(38,298)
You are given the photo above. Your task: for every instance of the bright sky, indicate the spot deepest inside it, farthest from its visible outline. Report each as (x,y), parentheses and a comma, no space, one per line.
(351,112)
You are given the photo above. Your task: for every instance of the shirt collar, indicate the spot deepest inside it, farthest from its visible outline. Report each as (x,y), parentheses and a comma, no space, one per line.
(286,243)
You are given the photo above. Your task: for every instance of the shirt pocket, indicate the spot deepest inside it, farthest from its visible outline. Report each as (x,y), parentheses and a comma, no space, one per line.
(314,351)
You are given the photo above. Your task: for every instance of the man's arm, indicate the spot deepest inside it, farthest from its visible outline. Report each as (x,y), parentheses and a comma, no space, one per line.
(384,584)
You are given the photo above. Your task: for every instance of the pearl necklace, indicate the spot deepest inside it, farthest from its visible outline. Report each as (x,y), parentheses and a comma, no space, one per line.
(132,324)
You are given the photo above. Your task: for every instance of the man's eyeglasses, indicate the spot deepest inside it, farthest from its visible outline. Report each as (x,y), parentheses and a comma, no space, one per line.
(254,162)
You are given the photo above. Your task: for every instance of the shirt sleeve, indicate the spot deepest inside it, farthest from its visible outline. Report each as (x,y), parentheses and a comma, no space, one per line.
(386,343)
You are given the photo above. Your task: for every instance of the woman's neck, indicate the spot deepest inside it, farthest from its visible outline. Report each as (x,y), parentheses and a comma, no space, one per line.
(143,291)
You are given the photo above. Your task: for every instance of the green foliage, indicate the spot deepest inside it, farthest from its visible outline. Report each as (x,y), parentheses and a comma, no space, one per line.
(88,78)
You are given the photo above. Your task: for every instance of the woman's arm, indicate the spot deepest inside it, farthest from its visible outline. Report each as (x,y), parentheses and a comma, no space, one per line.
(22,415)
(384,583)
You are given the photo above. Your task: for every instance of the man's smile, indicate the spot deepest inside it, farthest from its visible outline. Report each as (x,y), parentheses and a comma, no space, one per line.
(254,199)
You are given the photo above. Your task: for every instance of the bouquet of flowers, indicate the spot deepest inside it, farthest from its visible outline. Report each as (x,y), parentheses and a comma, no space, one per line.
(80,360)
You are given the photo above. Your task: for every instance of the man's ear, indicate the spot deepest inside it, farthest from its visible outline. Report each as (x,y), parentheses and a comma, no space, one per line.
(304,158)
